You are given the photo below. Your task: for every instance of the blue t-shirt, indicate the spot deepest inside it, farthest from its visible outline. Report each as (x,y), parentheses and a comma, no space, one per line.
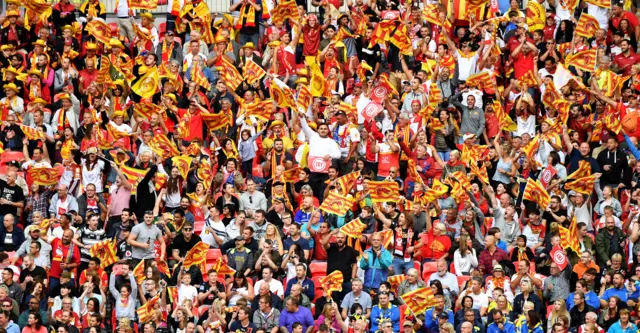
(303,243)
(621,293)
(236,326)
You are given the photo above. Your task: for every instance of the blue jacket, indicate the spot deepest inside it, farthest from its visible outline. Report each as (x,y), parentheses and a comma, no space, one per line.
(616,328)
(379,315)
(376,269)
(509,327)
(590,298)
(17,237)
(308,287)
(430,323)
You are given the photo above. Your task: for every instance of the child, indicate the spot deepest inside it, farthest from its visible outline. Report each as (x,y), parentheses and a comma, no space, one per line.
(495,232)
(247,151)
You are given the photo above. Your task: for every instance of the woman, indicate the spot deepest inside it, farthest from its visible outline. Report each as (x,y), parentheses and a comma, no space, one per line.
(623,325)
(332,318)
(464,258)
(447,133)
(403,245)
(93,306)
(501,304)
(229,174)
(627,30)
(499,281)
(608,201)
(521,251)
(559,309)
(525,115)
(174,191)
(526,295)
(436,287)
(216,314)
(156,317)
(534,323)
(179,319)
(610,314)
(93,169)
(227,152)
(505,168)
(467,305)
(272,234)
(239,288)
(38,291)
(65,292)
(34,324)
(447,328)
(564,33)
(292,258)
(554,160)
(125,306)
(483,204)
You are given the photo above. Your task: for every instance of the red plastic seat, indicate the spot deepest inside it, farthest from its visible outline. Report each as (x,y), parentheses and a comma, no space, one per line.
(9,156)
(416,265)
(429,268)
(213,255)
(318,268)
(162,28)
(198,226)
(452,268)
(114,29)
(462,280)
(318,287)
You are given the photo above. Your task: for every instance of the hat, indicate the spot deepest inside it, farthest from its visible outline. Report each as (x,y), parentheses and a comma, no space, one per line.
(239,238)
(171,97)
(275,43)
(14,164)
(617,3)
(248,45)
(407,323)
(342,15)
(341,113)
(38,100)
(276,123)
(35,72)
(7,47)
(228,17)
(92,150)
(119,83)
(68,27)
(148,16)
(11,86)
(522,25)
(443,315)
(358,84)
(91,46)
(118,113)
(498,268)
(39,42)
(12,13)
(220,39)
(278,183)
(115,43)
(302,80)
(63,96)
(549,121)
(313,125)
(468,136)
(572,193)
(12,69)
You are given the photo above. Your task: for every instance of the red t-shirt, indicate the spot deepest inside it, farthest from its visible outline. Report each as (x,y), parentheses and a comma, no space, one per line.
(319,253)
(312,36)
(434,247)
(625,63)
(59,253)
(522,64)
(195,124)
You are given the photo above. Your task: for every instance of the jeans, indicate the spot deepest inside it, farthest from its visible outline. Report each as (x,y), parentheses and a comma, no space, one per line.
(444,155)
(400,266)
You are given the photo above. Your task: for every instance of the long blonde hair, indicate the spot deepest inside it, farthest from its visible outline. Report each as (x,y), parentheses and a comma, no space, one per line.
(557,313)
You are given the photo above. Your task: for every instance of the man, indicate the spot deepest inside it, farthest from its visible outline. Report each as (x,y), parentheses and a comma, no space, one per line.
(67,321)
(293,313)
(184,241)
(266,317)
(303,215)
(63,260)
(591,319)
(614,162)
(416,93)
(590,298)
(275,286)
(252,200)
(385,311)
(586,262)
(276,302)
(68,114)
(491,255)
(437,315)
(11,237)
(15,290)
(554,213)
(356,295)
(524,272)
(577,155)
(341,257)
(36,246)
(449,280)
(608,242)
(473,120)
(276,157)
(302,299)
(322,149)
(94,320)
(34,307)
(375,262)
(296,238)
(143,237)
(92,203)
(301,279)
(11,195)
(480,299)
(259,224)
(7,325)
(87,236)
(580,309)
(30,272)
(240,321)
(500,324)
(556,286)
(62,202)
(618,290)
(240,258)
(347,137)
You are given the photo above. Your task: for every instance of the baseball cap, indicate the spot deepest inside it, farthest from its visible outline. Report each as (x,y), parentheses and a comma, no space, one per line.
(239,238)
(407,323)
(341,113)
(14,164)
(443,315)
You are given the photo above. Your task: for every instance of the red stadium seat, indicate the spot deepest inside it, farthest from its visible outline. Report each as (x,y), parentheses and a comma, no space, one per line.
(462,280)
(318,268)
(114,29)
(452,268)
(9,156)
(318,287)
(162,28)
(213,255)
(429,268)
(198,226)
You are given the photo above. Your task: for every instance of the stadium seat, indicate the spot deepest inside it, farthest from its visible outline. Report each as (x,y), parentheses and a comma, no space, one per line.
(197,227)
(213,255)
(462,280)
(318,268)
(416,265)
(114,29)
(452,268)
(9,156)
(318,287)
(162,28)
(428,268)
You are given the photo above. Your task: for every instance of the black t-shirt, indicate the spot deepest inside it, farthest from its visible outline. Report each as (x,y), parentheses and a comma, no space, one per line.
(549,218)
(341,260)
(179,243)
(36,272)
(13,193)
(212,297)
(236,326)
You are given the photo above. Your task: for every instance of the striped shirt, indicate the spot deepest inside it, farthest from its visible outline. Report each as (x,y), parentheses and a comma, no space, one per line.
(89,237)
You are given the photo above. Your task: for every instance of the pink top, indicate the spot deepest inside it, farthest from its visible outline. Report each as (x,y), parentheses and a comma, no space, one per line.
(27,329)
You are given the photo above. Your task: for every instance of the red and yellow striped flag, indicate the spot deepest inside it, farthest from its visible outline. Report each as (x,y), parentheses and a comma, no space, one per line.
(535,192)
(100,30)
(584,170)
(143,4)
(292,175)
(286,9)
(612,122)
(31,133)
(145,311)
(252,71)
(172,293)
(412,172)
(387,237)
(196,256)
(506,123)
(134,176)
(437,190)
(332,282)
(115,133)
(582,185)
(472,153)
(480,172)
(304,98)
(583,60)
(139,272)
(337,204)
(600,3)
(481,81)
(216,121)
(105,251)
(587,26)
(145,110)
(163,267)
(183,164)
(231,75)
(354,228)
(383,191)
(419,300)
(569,236)
(163,146)
(532,147)
(347,181)
(44,176)
(431,14)
(529,79)
(198,77)
(395,281)
(221,267)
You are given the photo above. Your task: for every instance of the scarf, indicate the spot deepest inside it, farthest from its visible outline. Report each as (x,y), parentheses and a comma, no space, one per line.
(63,121)
(35,90)
(167,50)
(406,132)
(175,8)
(274,164)
(247,17)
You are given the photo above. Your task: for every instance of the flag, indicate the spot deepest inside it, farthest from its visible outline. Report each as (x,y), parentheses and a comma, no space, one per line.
(412,172)
(143,4)
(196,256)
(558,256)
(145,311)
(205,173)
(183,164)
(387,237)
(354,228)
(261,110)
(582,185)
(472,153)
(347,181)
(216,121)
(431,14)
(337,204)
(532,147)
(362,70)
(163,267)
(481,81)
(612,122)
(383,81)
(419,300)
(115,133)
(535,192)
(383,191)
(304,99)
(163,146)
(292,175)
(100,30)
(198,77)
(332,282)
(286,9)
(134,176)
(569,236)
(583,60)
(587,26)
(506,123)
(437,190)
(529,79)
(139,273)
(395,281)
(600,3)
(172,294)
(536,16)
(145,110)
(584,170)
(44,225)
(480,172)
(221,268)
(105,251)
(317,80)
(31,133)
(44,176)
(252,71)
(282,94)
(231,75)
(400,38)
(550,95)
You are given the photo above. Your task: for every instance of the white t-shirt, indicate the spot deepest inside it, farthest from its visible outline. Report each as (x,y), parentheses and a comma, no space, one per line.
(351,137)
(93,176)
(33,164)
(466,65)
(275,287)
(479,301)
(187,292)
(207,236)
(58,232)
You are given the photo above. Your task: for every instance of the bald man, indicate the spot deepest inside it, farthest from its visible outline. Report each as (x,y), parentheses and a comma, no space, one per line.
(11,195)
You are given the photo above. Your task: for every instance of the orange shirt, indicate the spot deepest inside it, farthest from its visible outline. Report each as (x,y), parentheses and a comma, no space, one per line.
(580,268)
